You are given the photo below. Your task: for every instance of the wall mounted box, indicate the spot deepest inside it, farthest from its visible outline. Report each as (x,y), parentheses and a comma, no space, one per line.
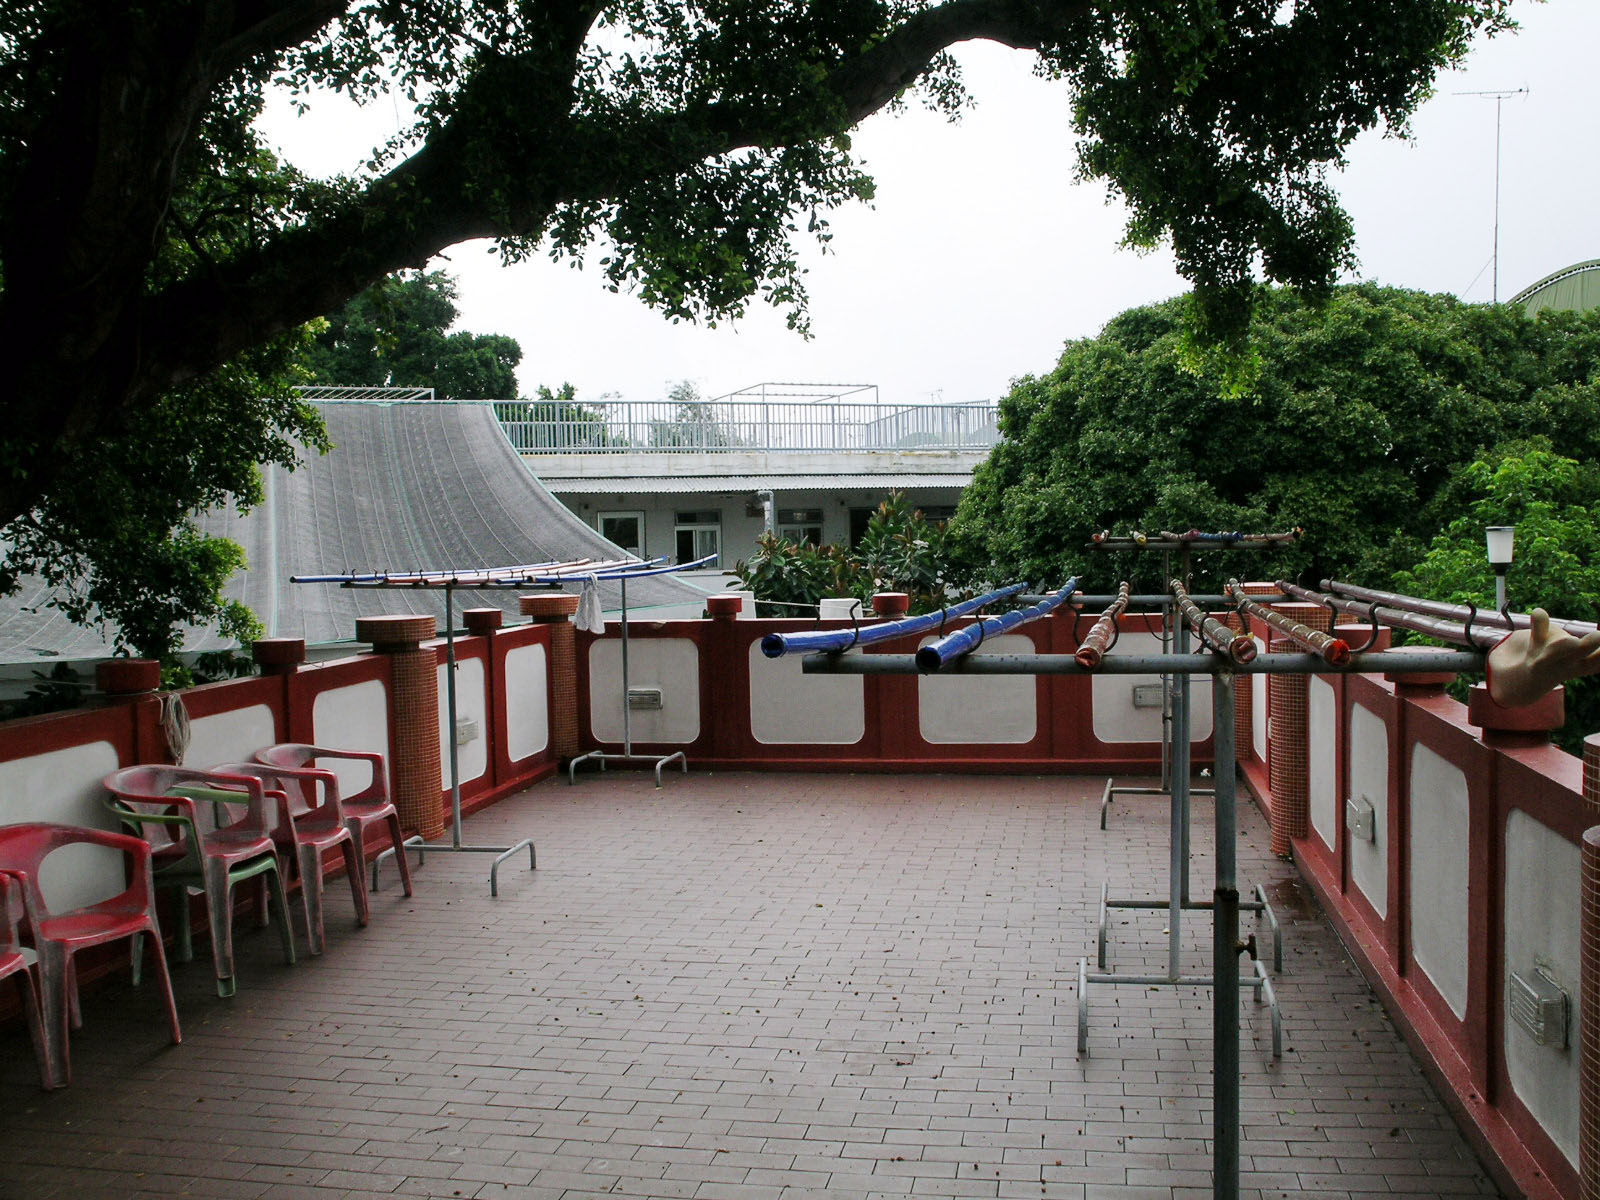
(1360,820)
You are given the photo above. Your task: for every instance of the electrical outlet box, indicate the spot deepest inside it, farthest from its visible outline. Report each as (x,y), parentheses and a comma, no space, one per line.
(1147,695)
(1540,1007)
(1360,819)
(466,730)
(644,698)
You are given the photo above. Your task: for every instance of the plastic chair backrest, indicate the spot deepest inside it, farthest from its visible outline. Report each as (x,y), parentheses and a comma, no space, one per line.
(24,847)
(163,795)
(303,754)
(312,794)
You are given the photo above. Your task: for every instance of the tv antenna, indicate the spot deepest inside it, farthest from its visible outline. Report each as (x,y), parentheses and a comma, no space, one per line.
(1499,97)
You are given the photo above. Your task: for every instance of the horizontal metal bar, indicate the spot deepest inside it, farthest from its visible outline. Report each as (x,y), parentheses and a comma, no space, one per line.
(1249,981)
(1386,662)
(1149,599)
(776,645)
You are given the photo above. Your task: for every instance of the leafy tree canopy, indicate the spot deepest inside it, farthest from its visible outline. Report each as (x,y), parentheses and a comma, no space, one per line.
(1553,501)
(145,240)
(156,263)
(396,334)
(1361,412)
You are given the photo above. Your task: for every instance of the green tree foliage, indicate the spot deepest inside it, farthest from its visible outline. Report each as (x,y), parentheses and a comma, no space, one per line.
(693,425)
(556,419)
(900,551)
(1360,412)
(143,244)
(396,334)
(1553,501)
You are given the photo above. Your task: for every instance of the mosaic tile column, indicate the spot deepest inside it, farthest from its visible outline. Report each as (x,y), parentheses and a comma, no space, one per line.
(556,610)
(1244,698)
(1287,750)
(414,771)
(1589,983)
(1589,1011)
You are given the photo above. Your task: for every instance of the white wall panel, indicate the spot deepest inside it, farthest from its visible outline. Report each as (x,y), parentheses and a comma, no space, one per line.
(670,664)
(1369,779)
(527,702)
(1542,889)
(980,709)
(1115,717)
(1322,728)
(1437,866)
(789,709)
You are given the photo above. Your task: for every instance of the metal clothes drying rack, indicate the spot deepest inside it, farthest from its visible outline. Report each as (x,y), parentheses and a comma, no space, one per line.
(547,575)
(1225,980)
(604,756)
(1176,764)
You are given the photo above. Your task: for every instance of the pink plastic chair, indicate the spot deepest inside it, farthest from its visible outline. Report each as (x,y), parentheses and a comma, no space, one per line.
(56,937)
(161,805)
(370,806)
(12,963)
(310,822)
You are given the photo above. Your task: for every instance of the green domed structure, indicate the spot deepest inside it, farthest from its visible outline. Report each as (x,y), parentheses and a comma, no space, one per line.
(1575,288)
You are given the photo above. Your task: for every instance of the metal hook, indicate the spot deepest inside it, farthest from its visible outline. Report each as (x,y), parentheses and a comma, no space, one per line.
(944,615)
(1372,640)
(983,632)
(855,626)
(1472,615)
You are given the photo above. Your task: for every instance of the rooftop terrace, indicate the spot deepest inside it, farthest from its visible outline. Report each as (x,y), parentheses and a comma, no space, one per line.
(746,986)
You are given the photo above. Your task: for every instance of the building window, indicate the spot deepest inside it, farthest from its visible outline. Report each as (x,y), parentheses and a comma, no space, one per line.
(800,525)
(698,534)
(939,514)
(625,530)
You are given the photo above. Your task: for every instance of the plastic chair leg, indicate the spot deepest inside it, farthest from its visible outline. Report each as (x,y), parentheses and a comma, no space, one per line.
(219,906)
(43,1046)
(53,1012)
(280,910)
(358,882)
(164,977)
(310,864)
(397,839)
(180,910)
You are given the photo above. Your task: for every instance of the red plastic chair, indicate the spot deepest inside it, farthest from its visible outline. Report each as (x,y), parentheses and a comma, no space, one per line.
(12,963)
(370,806)
(310,822)
(56,937)
(159,804)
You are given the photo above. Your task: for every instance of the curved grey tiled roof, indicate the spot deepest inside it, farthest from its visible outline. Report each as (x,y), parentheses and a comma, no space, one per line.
(432,485)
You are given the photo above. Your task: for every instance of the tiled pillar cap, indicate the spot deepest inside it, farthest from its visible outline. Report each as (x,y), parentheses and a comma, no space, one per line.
(891,604)
(548,606)
(278,652)
(127,676)
(1431,680)
(1544,715)
(395,632)
(482,620)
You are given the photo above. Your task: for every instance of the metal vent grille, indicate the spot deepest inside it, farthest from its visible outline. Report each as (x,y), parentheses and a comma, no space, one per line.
(1539,1007)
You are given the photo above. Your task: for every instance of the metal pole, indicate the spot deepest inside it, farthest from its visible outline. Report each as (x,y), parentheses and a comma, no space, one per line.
(450,698)
(1178,841)
(627,711)
(1225,954)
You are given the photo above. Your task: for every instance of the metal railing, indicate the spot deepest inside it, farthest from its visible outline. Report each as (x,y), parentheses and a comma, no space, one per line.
(602,427)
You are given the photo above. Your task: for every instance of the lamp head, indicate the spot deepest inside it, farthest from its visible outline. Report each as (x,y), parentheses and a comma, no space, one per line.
(1499,540)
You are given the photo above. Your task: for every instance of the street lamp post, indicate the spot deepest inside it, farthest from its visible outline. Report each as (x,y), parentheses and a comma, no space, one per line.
(1499,540)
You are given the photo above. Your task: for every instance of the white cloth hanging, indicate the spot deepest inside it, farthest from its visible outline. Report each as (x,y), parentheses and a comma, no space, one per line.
(590,619)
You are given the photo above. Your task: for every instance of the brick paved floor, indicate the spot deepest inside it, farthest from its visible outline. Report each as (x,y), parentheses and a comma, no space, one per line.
(744,987)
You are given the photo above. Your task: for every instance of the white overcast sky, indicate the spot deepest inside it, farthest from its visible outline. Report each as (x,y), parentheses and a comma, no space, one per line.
(980,256)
